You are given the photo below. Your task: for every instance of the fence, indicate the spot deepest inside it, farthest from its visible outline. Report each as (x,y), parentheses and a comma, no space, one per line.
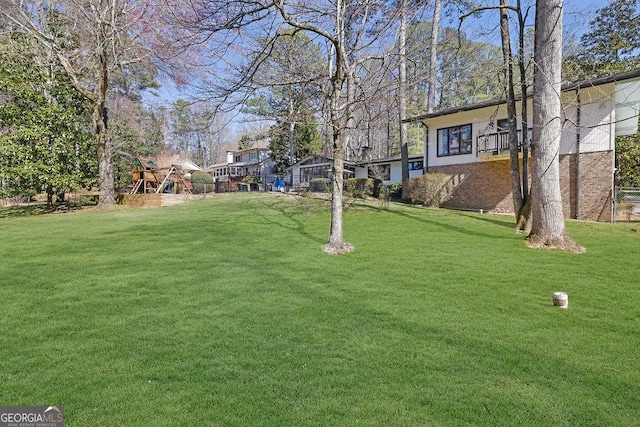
(203,188)
(626,205)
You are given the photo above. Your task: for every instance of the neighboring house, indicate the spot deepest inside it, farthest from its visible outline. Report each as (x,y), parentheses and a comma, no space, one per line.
(312,167)
(389,169)
(470,144)
(250,162)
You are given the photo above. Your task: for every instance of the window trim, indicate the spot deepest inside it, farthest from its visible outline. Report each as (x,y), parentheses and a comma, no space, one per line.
(457,130)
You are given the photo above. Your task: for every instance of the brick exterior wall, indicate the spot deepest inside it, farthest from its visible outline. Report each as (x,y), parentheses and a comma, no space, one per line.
(483,185)
(487,185)
(596,185)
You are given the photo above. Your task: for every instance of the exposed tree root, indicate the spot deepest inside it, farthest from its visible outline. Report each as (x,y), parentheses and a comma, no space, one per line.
(564,243)
(338,248)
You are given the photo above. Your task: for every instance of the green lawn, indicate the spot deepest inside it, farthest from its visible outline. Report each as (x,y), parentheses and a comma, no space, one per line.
(226,311)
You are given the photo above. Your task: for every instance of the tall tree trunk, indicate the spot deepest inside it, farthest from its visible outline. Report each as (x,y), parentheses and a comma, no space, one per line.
(105,150)
(336,240)
(292,139)
(342,123)
(432,78)
(340,133)
(516,188)
(548,228)
(433,57)
(50,193)
(524,216)
(402,95)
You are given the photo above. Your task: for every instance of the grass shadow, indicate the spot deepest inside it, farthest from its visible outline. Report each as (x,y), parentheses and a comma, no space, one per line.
(293,215)
(491,219)
(404,212)
(40,209)
(20,211)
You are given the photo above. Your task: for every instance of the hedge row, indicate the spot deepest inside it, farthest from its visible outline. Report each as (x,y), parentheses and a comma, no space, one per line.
(432,189)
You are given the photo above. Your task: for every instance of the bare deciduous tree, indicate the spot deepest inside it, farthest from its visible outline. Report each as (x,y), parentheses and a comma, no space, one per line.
(516,188)
(350,32)
(548,228)
(402,95)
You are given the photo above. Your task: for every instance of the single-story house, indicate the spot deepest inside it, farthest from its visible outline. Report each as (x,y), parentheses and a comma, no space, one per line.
(389,169)
(315,166)
(470,144)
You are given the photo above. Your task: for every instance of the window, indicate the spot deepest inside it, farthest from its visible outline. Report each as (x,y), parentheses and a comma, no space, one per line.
(454,140)
(502,125)
(309,173)
(381,172)
(238,159)
(418,165)
(253,155)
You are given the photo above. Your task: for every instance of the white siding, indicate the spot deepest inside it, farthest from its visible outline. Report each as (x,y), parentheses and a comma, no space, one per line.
(362,172)
(597,118)
(627,107)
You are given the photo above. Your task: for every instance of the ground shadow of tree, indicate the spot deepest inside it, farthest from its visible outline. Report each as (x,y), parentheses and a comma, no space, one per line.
(39,209)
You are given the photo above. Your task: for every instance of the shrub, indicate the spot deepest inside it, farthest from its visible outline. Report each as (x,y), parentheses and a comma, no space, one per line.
(627,160)
(199,177)
(432,189)
(250,179)
(395,189)
(359,188)
(201,182)
(320,185)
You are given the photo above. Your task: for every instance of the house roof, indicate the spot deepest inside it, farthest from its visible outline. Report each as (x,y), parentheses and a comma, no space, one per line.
(412,157)
(305,161)
(145,163)
(565,88)
(217,165)
(254,162)
(188,165)
(166,160)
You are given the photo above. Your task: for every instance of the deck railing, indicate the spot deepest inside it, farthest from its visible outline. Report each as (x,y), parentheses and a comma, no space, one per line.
(497,143)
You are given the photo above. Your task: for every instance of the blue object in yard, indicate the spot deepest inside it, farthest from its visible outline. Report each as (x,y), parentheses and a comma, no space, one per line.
(278,185)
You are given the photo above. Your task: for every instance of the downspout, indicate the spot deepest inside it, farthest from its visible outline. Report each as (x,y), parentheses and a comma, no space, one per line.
(578,127)
(425,154)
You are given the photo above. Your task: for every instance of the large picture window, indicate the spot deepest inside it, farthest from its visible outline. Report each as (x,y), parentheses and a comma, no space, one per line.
(454,140)
(309,173)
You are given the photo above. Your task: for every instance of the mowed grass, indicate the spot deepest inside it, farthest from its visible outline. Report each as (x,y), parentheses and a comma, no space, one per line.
(226,311)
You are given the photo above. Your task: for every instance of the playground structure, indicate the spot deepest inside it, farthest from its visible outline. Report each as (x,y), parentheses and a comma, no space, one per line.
(149,178)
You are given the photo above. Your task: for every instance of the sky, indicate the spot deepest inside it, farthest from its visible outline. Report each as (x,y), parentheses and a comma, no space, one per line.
(577,15)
